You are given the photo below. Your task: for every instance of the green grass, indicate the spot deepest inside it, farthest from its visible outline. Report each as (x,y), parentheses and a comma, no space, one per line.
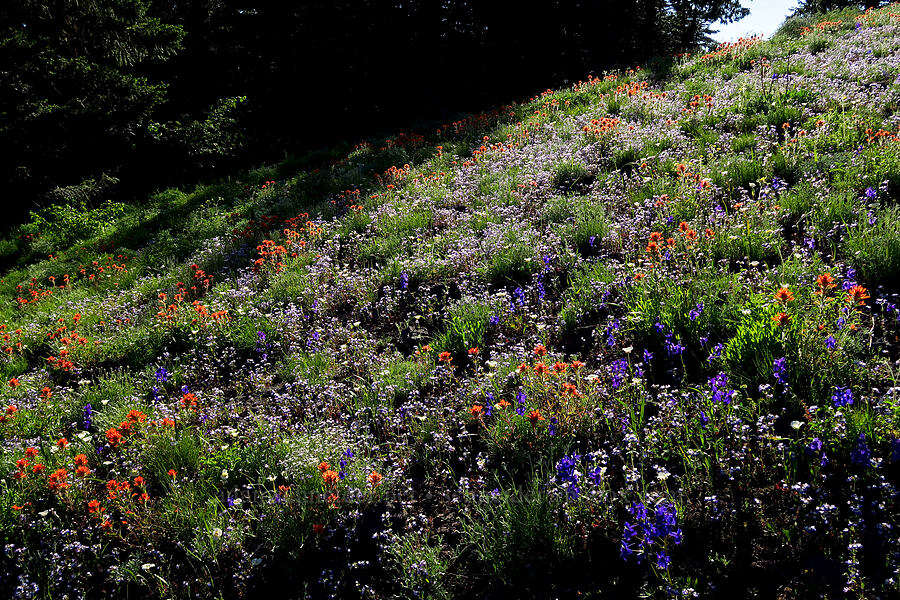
(875,247)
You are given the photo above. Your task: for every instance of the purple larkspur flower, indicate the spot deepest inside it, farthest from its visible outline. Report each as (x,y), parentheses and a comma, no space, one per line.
(618,369)
(814,446)
(674,347)
(720,391)
(651,530)
(519,295)
(861,455)
(842,397)
(779,370)
(696,312)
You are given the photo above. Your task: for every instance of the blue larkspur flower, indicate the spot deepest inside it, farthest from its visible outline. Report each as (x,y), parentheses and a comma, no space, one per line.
(619,369)
(720,391)
(779,370)
(696,312)
(861,455)
(842,397)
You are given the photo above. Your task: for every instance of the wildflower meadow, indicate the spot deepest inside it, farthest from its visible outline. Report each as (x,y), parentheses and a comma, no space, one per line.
(637,337)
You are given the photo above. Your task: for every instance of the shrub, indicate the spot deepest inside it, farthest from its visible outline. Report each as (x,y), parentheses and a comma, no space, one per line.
(66,223)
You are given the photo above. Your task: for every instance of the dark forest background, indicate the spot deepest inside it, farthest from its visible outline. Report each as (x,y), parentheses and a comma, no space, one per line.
(113,98)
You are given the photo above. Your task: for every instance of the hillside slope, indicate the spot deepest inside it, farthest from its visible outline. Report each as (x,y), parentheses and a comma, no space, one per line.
(639,336)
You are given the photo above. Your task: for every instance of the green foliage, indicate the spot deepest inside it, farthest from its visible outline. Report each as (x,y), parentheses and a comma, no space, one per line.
(181,453)
(394,232)
(400,377)
(752,234)
(695,128)
(780,115)
(310,367)
(216,136)
(591,226)
(516,538)
(570,176)
(111,398)
(881,163)
(582,297)
(735,172)
(420,565)
(466,327)
(817,43)
(794,26)
(742,143)
(756,343)
(64,223)
(514,262)
(875,248)
(706,308)
(625,158)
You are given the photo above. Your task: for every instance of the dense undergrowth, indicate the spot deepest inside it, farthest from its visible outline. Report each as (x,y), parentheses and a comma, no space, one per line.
(634,337)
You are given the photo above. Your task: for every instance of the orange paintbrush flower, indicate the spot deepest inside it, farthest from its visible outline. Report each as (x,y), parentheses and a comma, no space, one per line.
(330,477)
(374,479)
(535,416)
(784,295)
(857,295)
(782,319)
(825,281)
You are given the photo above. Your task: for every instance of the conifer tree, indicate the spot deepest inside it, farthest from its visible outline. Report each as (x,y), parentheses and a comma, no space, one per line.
(77,87)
